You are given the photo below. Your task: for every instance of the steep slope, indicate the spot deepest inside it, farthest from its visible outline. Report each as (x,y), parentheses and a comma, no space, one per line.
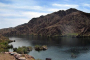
(69,22)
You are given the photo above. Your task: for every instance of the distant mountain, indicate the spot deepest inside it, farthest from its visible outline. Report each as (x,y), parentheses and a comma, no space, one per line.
(63,22)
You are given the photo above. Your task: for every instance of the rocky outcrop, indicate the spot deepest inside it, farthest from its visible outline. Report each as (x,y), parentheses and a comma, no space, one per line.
(20,56)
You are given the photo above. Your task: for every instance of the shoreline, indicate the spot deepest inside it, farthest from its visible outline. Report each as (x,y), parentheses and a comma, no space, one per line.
(15,56)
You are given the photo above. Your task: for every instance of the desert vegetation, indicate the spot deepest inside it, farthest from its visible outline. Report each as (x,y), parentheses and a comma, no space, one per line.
(4,41)
(39,48)
(23,49)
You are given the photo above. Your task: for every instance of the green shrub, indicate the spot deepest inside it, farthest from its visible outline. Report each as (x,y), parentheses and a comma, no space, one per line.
(23,49)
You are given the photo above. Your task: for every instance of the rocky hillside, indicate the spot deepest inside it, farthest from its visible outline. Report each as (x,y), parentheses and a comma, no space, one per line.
(68,22)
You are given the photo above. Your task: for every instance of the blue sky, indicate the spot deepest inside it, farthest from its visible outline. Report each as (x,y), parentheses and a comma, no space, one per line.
(16,12)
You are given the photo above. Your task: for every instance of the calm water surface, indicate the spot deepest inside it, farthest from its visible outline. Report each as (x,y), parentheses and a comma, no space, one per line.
(59,48)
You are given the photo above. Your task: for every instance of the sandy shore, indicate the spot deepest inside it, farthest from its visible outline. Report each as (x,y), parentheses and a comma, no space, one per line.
(6,57)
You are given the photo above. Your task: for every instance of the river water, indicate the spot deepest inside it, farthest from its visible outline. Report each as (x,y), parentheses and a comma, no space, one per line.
(59,48)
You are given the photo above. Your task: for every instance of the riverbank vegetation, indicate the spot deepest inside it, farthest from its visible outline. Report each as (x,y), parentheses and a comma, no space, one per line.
(4,41)
(39,48)
(23,50)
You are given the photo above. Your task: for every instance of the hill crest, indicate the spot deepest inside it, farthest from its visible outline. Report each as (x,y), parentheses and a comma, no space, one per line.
(68,22)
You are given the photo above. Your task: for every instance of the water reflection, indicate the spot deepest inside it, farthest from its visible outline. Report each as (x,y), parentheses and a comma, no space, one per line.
(58,47)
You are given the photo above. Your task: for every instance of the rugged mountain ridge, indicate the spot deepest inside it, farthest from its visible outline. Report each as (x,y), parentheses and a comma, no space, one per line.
(69,22)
